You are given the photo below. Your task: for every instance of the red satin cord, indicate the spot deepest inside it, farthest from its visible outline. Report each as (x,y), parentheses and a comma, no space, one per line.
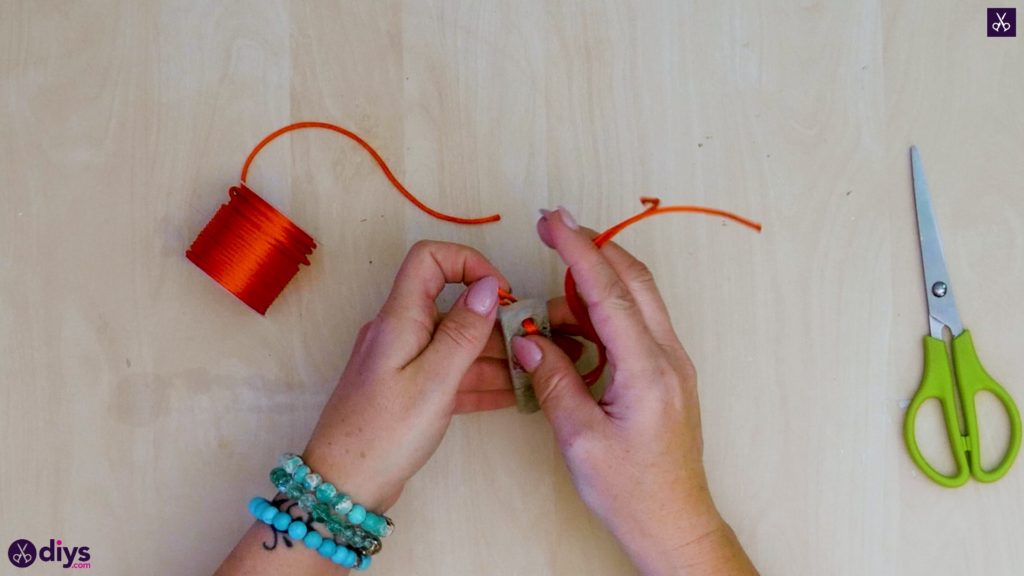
(505,297)
(251,249)
(577,307)
(530,327)
(377,157)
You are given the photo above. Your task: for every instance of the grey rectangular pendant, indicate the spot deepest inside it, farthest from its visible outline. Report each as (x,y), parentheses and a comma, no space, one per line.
(511,318)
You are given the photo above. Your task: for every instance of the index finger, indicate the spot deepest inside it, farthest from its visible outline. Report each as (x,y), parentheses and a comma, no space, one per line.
(409,315)
(638,278)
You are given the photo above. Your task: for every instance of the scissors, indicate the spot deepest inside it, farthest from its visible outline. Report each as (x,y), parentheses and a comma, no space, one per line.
(937,381)
(22,558)
(1001,25)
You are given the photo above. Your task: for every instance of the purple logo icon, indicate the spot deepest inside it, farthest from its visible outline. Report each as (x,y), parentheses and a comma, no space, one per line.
(22,553)
(1002,22)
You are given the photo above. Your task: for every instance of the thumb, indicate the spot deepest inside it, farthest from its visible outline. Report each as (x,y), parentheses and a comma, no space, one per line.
(462,334)
(560,390)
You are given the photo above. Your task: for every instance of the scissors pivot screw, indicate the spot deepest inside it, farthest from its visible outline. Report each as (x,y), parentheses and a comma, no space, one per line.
(939,289)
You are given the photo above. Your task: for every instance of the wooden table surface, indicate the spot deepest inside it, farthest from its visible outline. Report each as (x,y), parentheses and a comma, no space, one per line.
(141,405)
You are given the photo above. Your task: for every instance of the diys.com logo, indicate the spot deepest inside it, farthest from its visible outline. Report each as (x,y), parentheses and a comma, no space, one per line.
(23,553)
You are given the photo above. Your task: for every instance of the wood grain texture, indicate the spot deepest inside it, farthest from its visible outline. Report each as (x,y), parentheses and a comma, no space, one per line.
(141,405)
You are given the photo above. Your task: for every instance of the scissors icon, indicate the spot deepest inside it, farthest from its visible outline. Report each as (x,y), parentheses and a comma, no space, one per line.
(937,381)
(22,557)
(1001,25)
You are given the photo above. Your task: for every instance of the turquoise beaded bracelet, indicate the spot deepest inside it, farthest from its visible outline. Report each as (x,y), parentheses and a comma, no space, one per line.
(321,512)
(326,503)
(281,521)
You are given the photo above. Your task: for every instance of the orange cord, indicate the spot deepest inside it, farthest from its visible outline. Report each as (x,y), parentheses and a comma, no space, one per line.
(253,250)
(505,297)
(377,157)
(531,327)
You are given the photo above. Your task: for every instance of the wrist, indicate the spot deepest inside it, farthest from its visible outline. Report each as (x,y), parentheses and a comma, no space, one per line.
(672,538)
(337,466)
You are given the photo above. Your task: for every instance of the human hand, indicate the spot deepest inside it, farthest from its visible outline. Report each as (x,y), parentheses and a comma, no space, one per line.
(636,455)
(410,370)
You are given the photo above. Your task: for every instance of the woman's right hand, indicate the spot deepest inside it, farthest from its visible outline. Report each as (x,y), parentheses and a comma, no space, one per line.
(635,456)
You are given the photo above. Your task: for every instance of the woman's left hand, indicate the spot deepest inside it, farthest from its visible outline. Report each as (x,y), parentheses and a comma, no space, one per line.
(410,370)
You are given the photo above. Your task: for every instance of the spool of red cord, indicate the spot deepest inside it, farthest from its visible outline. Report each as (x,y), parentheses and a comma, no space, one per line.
(251,249)
(254,251)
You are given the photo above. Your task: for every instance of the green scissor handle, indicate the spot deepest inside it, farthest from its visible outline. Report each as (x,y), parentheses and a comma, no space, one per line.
(937,383)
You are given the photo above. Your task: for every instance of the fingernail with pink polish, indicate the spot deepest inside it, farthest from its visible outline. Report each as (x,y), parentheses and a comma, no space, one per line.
(483,295)
(543,228)
(527,353)
(567,218)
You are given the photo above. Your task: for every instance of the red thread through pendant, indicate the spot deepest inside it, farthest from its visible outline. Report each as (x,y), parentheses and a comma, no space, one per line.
(253,250)
(586,330)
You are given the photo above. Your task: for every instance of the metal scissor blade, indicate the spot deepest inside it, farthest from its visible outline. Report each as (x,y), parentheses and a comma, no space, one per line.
(941,304)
